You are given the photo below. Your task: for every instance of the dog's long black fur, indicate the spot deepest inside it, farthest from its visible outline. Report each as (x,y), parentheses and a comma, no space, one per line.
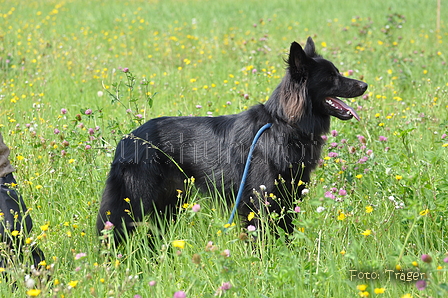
(214,149)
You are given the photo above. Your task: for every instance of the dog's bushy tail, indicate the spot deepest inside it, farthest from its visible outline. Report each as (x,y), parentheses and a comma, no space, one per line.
(138,176)
(115,204)
(125,190)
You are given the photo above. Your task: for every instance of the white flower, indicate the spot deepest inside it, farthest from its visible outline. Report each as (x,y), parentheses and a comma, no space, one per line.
(29,282)
(320,209)
(305,191)
(251,228)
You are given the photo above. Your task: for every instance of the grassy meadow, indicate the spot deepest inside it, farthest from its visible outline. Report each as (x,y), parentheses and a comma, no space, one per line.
(77,75)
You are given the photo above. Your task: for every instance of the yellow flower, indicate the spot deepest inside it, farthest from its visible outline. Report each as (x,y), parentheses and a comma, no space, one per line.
(15,233)
(341,216)
(20,157)
(398,267)
(227,225)
(33,292)
(127,200)
(369,209)
(71,160)
(366,232)
(364,294)
(362,288)
(43,263)
(379,290)
(343,252)
(250,216)
(44,227)
(398,177)
(359,176)
(179,244)
(424,212)
(73,283)
(415,264)
(406,296)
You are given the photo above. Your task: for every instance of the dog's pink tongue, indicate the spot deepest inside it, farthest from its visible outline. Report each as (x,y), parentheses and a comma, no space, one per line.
(342,105)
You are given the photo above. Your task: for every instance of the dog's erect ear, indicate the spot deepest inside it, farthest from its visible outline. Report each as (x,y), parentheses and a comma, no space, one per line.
(297,58)
(310,49)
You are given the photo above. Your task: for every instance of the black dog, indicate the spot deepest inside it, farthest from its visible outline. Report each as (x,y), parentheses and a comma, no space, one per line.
(152,162)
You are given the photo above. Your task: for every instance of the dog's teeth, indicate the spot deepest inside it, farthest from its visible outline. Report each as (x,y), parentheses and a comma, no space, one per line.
(331,103)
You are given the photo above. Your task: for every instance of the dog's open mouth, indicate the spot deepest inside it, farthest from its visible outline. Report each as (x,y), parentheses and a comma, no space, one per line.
(339,109)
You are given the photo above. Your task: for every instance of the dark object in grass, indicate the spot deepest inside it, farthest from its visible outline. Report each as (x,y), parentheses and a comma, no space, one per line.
(15,219)
(152,162)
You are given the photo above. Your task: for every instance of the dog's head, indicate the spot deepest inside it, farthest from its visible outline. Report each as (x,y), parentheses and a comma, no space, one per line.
(314,85)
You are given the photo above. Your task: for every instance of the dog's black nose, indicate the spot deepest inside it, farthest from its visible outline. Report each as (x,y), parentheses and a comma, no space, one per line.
(363,86)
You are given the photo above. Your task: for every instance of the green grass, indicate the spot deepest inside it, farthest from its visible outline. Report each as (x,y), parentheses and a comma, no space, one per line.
(61,55)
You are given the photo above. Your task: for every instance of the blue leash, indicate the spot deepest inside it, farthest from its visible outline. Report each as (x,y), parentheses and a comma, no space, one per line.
(246,170)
